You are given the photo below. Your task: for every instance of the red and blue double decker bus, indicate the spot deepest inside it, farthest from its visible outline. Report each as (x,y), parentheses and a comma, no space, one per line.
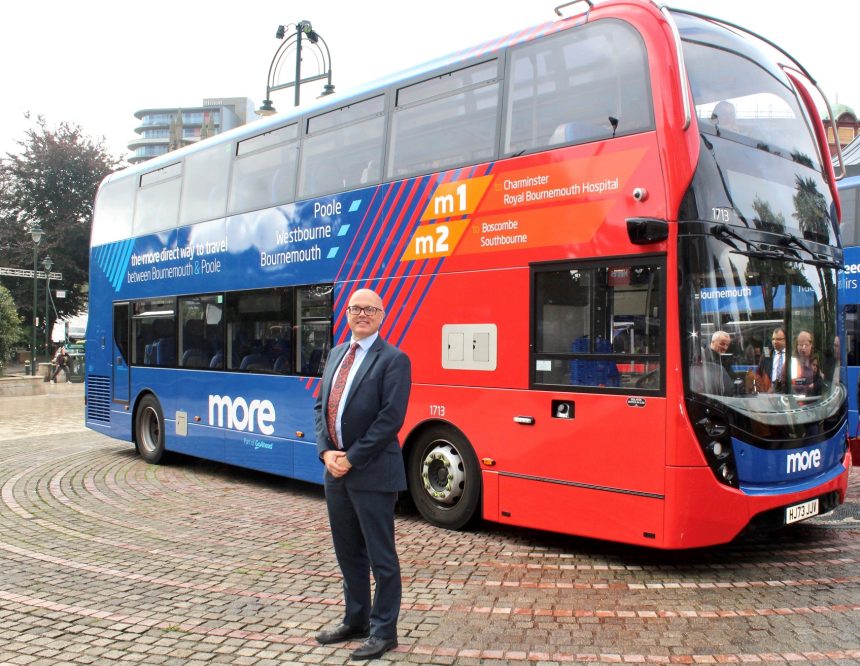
(558,222)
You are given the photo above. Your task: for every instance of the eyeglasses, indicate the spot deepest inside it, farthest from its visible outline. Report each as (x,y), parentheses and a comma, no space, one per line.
(369,310)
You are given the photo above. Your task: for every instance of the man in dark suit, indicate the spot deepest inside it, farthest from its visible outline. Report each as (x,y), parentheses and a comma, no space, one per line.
(359,411)
(773,367)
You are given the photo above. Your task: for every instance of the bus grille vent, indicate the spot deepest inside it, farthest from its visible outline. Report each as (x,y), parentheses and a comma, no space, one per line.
(98,398)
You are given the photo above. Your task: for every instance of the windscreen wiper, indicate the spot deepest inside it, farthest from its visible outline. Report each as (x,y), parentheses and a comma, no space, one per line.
(725,233)
(817,259)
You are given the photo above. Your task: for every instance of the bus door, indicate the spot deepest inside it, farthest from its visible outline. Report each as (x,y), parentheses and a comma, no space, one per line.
(597,418)
(120,352)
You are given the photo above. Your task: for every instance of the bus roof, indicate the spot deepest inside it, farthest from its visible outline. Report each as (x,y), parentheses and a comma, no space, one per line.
(339,99)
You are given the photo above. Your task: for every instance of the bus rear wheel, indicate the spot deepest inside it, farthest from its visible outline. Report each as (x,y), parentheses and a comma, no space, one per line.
(149,430)
(444,478)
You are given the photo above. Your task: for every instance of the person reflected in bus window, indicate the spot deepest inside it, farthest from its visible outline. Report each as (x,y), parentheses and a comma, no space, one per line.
(718,349)
(713,372)
(771,369)
(833,361)
(806,377)
(752,352)
(359,411)
(723,117)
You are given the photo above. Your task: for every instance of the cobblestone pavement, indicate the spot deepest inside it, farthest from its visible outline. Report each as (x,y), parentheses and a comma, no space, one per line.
(105,560)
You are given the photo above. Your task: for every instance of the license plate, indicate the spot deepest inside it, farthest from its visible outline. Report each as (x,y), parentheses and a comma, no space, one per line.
(801,511)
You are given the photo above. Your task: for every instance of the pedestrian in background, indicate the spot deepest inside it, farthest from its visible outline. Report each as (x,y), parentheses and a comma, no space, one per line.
(360,409)
(61,362)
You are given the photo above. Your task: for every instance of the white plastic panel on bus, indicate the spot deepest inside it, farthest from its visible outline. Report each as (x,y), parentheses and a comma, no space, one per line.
(469,346)
(114,204)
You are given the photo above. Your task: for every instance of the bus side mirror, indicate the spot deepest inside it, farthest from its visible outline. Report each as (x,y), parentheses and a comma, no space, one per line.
(645,230)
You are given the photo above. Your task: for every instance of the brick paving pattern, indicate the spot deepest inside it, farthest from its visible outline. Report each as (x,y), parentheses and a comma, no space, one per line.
(107,560)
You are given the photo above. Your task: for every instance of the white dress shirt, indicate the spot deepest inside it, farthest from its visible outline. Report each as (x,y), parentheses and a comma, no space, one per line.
(360,352)
(778,367)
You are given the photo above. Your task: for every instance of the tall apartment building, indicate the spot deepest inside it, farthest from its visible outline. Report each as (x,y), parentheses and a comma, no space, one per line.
(163,130)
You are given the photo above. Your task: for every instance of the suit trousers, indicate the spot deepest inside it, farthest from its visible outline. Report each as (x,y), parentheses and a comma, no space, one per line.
(362,528)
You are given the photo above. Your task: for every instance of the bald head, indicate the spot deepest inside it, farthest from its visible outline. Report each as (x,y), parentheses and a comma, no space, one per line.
(364,313)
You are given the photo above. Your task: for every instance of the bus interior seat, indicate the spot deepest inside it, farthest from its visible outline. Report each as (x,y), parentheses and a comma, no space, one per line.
(192,334)
(255,362)
(165,351)
(217,361)
(312,367)
(163,348)
(585,372)
(282,365)
(195,358)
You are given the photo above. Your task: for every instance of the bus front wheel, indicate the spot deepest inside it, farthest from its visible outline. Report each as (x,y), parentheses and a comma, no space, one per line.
(444,478)
(149,430)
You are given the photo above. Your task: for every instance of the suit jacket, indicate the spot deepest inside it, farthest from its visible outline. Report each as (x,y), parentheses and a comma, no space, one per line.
(373,414)
(765,369)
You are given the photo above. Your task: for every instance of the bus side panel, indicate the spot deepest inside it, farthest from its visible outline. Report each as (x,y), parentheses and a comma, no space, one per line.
(583,511)
(102,413)
(699,511)
(490,495)
(497,298)
(608,459)
(849,300)
(262,422)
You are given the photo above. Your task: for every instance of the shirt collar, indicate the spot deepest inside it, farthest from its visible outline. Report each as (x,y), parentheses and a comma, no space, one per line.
(366,343)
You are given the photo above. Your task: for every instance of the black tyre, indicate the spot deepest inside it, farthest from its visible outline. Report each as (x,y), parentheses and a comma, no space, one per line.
(149,430)
(444,478)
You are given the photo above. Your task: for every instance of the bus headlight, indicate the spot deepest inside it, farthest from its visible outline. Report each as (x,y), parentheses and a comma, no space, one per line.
(719,450)
(715,438)
(726,473)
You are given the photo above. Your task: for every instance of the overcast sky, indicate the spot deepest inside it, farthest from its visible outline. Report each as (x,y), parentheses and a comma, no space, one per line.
(96,62)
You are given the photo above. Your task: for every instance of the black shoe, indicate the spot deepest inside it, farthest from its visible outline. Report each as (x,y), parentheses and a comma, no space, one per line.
(342,633)
(374,647)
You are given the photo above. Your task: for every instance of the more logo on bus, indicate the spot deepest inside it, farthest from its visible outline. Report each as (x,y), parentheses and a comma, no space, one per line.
(802,461)
(239,414)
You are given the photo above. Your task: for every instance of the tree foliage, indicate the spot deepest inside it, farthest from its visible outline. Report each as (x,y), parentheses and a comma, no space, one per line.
(10,326)
(52,181)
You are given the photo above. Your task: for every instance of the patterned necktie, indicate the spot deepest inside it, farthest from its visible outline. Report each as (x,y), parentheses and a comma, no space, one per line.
(337,392)
(777,367)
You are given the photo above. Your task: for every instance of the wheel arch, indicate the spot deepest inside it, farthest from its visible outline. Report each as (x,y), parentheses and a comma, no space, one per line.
(422,427)
(134,409)
(460,514)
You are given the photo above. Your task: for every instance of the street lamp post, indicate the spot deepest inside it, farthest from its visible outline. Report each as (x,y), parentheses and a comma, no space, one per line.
(304,30)
(36,235)
(48,264)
